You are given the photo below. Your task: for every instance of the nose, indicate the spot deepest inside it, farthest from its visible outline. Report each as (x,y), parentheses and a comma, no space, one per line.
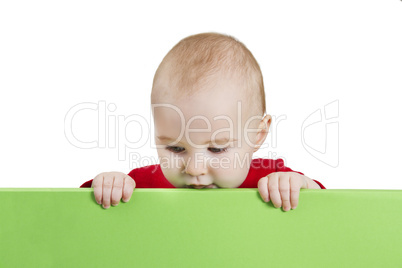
(196,166)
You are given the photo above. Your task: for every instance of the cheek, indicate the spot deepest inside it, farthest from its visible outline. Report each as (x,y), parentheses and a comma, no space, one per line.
(232,176)
(174,176)
(162,154)
(169,160)
(236,160)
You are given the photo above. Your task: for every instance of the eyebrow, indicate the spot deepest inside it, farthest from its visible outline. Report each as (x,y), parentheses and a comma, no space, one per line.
(164,138)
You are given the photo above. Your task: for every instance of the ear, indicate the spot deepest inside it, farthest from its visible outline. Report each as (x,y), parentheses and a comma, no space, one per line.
(262,132)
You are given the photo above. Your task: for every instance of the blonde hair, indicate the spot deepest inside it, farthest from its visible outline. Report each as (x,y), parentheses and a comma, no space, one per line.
(193,61)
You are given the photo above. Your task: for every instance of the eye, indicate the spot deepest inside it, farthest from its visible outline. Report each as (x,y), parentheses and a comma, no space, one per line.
(176,149)
(218,150)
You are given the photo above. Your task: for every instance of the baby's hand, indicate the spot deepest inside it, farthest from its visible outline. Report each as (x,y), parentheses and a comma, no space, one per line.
(283,188)
(109,187)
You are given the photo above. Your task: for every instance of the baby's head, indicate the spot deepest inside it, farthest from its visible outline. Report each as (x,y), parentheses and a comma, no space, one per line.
(208,105)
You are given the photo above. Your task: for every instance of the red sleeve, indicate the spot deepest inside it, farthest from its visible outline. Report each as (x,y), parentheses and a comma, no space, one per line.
(87,184)
(280,167)
(319,183)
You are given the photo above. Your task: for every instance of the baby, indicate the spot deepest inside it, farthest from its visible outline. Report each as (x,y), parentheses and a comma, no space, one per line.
(208,105)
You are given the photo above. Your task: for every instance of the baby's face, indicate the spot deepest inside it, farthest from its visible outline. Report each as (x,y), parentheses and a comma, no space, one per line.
(201,140)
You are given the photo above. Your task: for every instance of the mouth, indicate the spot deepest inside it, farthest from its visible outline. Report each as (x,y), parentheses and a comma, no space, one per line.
(201,187)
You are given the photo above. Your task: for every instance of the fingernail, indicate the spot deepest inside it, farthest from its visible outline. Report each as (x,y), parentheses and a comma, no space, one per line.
(266,199)
(99,202)
(126,200)
(105,206)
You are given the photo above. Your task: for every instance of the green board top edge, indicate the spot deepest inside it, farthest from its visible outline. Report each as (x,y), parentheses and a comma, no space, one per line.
(182,189)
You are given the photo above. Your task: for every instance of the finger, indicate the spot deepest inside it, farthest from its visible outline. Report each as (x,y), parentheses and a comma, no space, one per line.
(284,188)
(128,188)
(107,190)
(304,183)
(263,188)
(117,190)
(273,189)
(97,183)
(294,191)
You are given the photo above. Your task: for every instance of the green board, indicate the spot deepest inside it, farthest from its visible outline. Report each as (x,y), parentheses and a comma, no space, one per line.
(64,227)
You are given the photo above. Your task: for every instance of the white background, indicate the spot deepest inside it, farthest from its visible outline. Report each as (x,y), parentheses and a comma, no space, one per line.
(55,55)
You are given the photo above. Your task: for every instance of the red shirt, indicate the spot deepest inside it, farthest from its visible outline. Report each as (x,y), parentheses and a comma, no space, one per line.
(152,177)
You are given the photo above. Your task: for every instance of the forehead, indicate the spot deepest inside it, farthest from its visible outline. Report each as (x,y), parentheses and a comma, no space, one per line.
(194,130)
(219,99)
(192,127)
(193,114)
(193,120)
(220,104)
